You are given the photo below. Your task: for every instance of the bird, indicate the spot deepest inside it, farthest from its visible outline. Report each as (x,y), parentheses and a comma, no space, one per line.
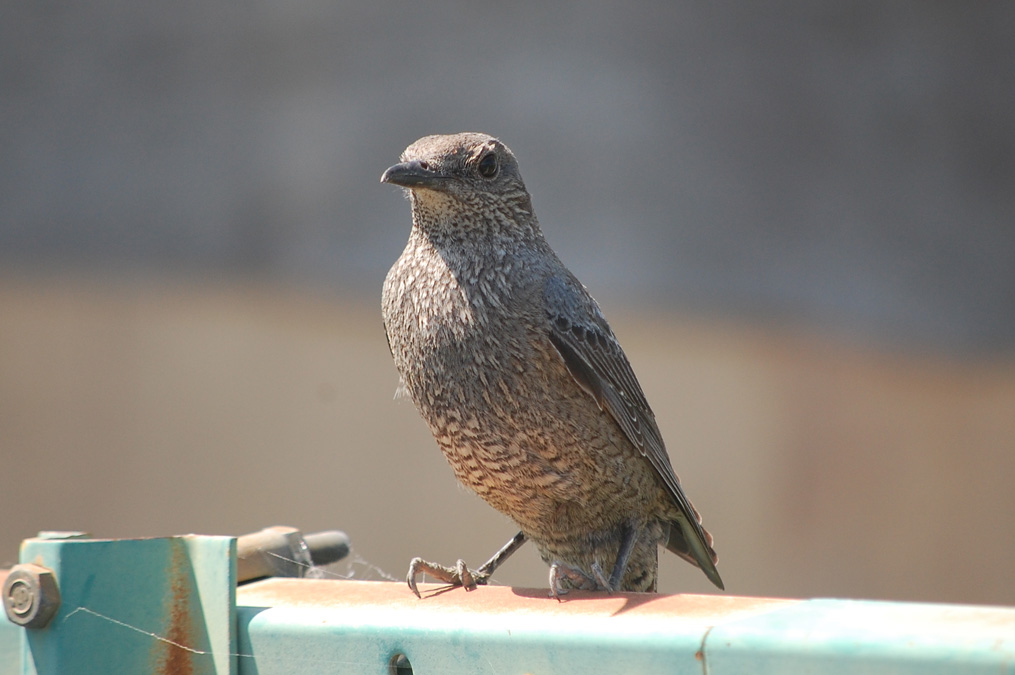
(529,395)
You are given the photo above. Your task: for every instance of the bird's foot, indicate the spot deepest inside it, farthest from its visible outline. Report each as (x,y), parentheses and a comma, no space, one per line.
(575,578)
(459,575)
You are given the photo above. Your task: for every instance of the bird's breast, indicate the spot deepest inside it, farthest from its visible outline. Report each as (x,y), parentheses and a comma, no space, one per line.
(449,325)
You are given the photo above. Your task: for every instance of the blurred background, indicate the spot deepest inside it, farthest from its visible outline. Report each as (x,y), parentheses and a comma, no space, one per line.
(798,217)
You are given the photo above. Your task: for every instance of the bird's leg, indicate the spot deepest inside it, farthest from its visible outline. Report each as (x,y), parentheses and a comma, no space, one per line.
(460,574)
(597,580)
(630,538)
(487,568)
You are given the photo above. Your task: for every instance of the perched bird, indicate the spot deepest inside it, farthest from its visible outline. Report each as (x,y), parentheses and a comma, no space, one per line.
(522,382)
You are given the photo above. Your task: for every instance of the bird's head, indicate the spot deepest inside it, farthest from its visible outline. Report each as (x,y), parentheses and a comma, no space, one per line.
(461,181)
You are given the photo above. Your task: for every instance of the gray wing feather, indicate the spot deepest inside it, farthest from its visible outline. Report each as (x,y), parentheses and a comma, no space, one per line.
(598,364)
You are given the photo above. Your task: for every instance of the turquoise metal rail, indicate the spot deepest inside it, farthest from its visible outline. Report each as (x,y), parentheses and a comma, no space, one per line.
(171,606)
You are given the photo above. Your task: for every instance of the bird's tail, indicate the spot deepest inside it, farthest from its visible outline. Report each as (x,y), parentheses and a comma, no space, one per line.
(685,542)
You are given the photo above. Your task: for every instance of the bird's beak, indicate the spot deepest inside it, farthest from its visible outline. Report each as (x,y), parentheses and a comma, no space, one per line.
(414,175)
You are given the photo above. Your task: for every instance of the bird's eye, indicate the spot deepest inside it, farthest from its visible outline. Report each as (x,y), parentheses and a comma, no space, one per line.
(488,165)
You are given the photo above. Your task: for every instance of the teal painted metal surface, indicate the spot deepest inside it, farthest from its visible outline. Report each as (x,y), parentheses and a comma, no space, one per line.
(135,606)
(299,640)
(10,643)
(844,637)
(338,627)
(334,627)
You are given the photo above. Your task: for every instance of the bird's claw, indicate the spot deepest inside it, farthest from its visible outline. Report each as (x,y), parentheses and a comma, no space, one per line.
(576,578)
(459,575)
(603,584)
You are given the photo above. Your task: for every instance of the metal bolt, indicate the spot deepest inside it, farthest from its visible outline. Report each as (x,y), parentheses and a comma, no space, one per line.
(31,596)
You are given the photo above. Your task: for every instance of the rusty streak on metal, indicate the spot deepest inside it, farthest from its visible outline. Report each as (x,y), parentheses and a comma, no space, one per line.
(179,649)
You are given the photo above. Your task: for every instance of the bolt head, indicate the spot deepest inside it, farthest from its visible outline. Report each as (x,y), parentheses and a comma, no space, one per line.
(30,595)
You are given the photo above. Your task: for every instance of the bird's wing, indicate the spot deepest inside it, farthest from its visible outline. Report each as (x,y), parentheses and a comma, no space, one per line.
(596,361)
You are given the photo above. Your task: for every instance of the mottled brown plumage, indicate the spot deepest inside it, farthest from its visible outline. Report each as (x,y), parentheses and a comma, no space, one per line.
(522,382)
